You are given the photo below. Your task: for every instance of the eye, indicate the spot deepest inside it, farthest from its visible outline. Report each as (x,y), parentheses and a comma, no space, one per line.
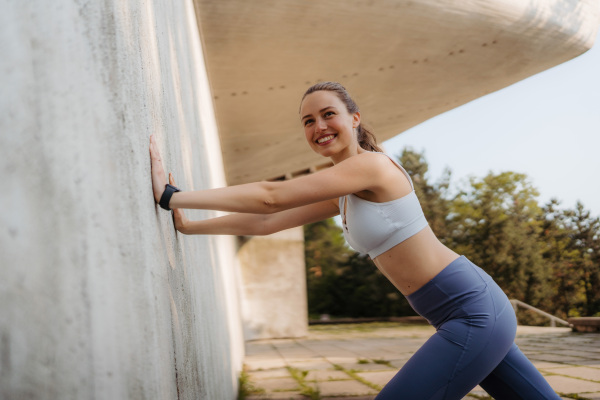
(328,113)
(307,121)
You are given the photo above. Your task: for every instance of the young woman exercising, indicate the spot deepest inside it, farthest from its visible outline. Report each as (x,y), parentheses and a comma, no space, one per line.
(381,215)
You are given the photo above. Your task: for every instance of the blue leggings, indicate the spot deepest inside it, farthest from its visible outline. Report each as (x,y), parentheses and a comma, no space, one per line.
(474,343)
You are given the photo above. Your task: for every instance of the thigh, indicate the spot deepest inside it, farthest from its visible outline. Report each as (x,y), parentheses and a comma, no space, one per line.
(426,373)
(449,365)
(516,378)
(459,355)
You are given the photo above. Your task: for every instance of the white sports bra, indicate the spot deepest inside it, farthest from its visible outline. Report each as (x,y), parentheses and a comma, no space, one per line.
(374,228)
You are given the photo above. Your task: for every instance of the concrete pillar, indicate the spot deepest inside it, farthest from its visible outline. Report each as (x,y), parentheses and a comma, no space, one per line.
(274,279)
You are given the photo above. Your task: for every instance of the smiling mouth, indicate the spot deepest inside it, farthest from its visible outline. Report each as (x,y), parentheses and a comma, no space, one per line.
(325,139)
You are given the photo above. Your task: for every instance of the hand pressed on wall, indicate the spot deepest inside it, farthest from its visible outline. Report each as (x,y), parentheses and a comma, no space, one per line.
(159,179)
(179,218)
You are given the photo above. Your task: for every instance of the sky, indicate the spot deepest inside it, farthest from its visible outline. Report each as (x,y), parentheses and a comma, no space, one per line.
(546,126)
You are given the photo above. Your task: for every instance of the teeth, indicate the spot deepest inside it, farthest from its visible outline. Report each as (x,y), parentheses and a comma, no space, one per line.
(325,138)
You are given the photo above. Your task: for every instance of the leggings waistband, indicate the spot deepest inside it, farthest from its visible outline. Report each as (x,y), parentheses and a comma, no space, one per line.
(460,283)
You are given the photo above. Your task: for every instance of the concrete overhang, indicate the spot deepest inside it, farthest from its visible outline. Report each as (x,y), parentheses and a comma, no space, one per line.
(403,61)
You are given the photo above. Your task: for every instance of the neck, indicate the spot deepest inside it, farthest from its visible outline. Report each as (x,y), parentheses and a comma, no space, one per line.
(347,153)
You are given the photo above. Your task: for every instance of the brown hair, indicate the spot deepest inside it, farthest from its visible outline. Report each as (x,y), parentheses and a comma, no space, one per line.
(366,139)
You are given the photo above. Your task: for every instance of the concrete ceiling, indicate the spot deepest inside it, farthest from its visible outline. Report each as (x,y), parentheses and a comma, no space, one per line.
(403,61)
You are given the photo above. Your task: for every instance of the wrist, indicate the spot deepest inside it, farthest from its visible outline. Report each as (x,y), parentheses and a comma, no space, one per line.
(185,227)
(165,199)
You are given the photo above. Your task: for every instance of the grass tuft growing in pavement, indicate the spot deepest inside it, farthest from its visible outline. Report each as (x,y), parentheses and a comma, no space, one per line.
(352,374)
(382,362)
(313,393)
(246,388)
(572,396)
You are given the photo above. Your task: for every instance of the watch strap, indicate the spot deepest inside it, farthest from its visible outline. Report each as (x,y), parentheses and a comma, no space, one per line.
(166,196)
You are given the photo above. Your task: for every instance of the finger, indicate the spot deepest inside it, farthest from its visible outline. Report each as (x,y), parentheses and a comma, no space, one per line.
(171,180)
(154,153)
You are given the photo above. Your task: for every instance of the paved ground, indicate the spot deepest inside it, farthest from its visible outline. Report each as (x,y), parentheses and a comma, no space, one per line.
(355,361)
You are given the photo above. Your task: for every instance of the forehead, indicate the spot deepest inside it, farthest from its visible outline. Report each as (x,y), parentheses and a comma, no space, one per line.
(316,101)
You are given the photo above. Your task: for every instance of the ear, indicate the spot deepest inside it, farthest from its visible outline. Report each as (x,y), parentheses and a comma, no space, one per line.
(356,119)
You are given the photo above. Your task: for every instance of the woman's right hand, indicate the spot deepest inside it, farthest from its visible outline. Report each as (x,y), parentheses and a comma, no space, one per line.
(159,180)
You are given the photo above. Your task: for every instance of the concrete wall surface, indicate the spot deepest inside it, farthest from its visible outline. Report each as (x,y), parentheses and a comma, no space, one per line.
(99,297)
(273,271)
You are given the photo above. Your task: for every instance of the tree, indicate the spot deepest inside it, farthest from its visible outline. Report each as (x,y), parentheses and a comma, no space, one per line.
(571,241)
(326,253)
(433,197)
(495,222)
(344,283)
(556,238)
(586,240)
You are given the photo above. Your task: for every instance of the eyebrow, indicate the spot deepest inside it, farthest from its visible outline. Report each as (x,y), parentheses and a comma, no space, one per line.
(320,111)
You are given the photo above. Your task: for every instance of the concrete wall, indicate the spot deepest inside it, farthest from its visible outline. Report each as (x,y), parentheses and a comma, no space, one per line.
(273,271)
(99,297)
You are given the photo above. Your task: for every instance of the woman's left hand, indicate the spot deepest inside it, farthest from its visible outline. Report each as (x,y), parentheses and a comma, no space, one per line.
(179,218)
(159,180)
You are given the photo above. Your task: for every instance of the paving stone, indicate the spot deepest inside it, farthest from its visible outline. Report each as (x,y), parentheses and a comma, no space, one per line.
(311,365)
(341,360)
(575,353)
(277,384)
(349,398)
(365,367)
(579,372)
(571,385)
(269,374)
(565,353)
(254,365)
(478,392)
(398,364)
(556,358)
(326,375)
(546,364)
(344,388)
(380,378)
(278,396)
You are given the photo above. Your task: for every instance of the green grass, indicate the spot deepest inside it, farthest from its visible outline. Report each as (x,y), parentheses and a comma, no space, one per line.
(246,388)
(352,374)
(313,393)
(572,396)
(383,362)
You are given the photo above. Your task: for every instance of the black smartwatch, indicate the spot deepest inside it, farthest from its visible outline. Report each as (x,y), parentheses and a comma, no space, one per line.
(166,196)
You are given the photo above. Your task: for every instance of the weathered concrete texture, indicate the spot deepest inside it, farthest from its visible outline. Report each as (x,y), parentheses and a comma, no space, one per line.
(404,61)
(274,285)
(100,298)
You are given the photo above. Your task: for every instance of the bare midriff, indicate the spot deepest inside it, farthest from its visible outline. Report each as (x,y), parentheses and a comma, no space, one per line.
(414,262)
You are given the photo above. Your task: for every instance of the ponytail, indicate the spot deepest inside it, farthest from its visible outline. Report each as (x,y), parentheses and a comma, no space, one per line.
(367,140)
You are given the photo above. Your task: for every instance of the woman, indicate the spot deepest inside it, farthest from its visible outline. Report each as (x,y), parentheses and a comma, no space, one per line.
(381,215)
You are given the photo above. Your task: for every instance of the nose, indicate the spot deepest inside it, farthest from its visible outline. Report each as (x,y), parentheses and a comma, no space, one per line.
(320,125)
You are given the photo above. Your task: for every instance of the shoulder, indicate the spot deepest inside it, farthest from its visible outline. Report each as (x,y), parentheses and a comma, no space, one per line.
(374,164)
(370,160)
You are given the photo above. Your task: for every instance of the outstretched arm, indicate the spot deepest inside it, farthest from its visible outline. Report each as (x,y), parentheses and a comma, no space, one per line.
(256,224)
(362,172)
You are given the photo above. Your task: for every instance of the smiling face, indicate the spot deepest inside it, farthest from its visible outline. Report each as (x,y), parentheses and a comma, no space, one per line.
(328,126)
